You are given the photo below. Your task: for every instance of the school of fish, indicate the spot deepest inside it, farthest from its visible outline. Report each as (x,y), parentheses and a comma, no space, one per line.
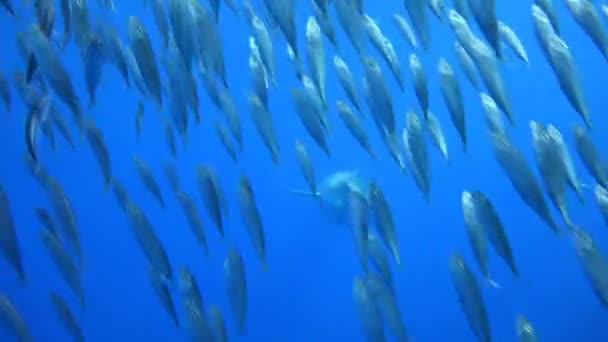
(186,71)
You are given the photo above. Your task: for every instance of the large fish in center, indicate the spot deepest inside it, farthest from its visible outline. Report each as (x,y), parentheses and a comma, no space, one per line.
(333,193)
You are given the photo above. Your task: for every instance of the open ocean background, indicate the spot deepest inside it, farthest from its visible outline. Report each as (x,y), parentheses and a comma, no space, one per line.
(305,295)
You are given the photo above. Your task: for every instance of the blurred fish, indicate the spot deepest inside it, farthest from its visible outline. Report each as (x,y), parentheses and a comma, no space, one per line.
(143,51)
(590,157)
(67,317)
(420,83)
(467,65)
(385,48)
(316,56)
(109,4)
(379,261)
(236,286)
(588,18)
(359,213)
(122,57)
(258,72)
(139,119)
(601,197)
(216,320)
(405,30)
(9,244)
(355,127)
(149,242)
(310,120)
(196,324)
(264,126)
(172,177)
(512,40)
(81,21)
(264,42)
(492,115)
(437,136)
(5,93)
(13,321)
(94,61)
(189,289)
(484,12)
(225,140)
(594,264)
(305,164)
(121,194)
(231,112)
(379,96)
(283,13)
(383,217)
(416,153)
(181,18)
(66,13)
(160,18)
(347,81)
(386,303)
(147,177)
(162,293)
(373,325)
(351,23)
(469,296)
(252,219)
(194,219)
(210,46)
(52,68)
(325,22)
(525,331)
(521,177)
(46,220)
(36,118)
(450,89)
(100,151)
(438,8)
(64,263)
(486,61)
(66,215)
(560,58)
(8,7)
(547,7)
(45,12)
(416,10)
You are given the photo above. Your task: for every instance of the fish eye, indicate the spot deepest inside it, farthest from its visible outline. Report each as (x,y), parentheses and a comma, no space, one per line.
(140,29)
(79,3)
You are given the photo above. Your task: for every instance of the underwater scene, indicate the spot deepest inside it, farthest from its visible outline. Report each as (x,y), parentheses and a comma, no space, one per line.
(304,170)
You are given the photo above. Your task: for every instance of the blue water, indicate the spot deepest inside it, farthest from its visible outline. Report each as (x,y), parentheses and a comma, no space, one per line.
(305,295)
